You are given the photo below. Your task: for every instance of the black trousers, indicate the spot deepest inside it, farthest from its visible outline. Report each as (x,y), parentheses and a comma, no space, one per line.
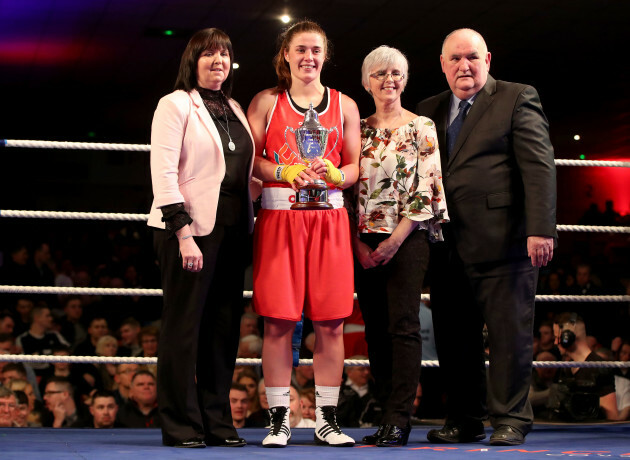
(389,298)
(199,334)
(463,297)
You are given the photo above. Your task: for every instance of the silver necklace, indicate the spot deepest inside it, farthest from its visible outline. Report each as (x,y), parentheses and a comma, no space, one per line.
(231,144)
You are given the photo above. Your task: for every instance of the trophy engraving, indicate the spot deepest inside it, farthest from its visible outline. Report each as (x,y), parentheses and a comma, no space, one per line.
(311,139)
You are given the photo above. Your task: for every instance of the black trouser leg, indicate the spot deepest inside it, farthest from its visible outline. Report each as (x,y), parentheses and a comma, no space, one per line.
(389,297)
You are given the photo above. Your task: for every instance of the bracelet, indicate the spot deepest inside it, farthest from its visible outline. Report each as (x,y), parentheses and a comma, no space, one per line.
(278,172)
(186,237)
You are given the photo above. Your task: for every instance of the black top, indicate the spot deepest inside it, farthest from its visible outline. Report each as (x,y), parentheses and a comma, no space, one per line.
(233,194)
(319,109)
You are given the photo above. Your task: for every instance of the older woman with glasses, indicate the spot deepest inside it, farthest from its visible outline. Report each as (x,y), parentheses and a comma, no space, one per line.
(398,205)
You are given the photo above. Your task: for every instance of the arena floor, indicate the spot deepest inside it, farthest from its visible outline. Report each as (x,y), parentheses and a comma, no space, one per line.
(546,441)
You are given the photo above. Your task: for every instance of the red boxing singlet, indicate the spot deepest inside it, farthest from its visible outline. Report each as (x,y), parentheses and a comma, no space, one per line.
(284,113)
(302,259)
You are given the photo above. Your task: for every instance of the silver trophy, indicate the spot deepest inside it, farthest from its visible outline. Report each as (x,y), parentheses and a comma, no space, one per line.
(311,139)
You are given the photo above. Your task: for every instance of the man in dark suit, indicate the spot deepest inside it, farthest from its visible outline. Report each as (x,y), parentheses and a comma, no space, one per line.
(500,185)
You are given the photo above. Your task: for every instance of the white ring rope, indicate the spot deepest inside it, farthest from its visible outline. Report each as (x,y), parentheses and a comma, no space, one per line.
(73,215)
(258,361)
(147,148)
(144,217)
(9,289)
(614,164)
(592,228)
(74,145)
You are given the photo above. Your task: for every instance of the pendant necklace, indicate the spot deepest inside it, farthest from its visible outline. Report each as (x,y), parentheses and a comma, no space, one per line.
(231,144)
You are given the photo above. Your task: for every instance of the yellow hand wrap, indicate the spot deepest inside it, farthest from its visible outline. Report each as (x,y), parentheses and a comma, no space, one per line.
(290,172)
(334,175)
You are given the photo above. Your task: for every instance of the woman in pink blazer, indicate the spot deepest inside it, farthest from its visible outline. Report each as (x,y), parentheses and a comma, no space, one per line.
(201,164)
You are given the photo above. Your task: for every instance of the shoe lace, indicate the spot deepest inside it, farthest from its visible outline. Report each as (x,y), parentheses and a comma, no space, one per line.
(329,413)
(277,419)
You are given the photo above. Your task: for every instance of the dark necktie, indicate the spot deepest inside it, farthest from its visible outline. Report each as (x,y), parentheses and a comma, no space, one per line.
(453,130)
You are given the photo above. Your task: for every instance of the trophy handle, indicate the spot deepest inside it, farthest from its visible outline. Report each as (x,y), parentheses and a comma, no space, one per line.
(287,141)
(334,128)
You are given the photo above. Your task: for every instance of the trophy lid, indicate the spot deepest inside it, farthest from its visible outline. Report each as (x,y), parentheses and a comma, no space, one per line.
(311,118)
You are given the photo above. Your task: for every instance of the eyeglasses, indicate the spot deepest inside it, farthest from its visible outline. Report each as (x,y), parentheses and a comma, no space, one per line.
(382,76)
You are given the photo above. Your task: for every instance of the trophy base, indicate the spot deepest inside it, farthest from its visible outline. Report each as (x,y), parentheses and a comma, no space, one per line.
(311,206)
(312,197)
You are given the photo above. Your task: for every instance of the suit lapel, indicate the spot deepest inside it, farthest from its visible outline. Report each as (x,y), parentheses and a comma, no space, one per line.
(206,119)
(479,107)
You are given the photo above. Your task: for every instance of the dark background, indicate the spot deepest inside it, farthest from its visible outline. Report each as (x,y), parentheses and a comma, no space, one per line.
(93,70)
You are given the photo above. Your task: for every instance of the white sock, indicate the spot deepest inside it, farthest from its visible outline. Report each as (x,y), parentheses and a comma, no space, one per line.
(278,396)
(326,396)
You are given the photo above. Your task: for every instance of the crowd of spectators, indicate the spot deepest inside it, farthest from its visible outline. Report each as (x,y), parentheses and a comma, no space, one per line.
(124,395)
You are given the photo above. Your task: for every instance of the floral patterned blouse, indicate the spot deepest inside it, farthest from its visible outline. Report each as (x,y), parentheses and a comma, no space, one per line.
(400,176)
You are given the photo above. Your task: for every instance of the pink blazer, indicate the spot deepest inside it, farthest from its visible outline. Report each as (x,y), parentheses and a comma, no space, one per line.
(187,163)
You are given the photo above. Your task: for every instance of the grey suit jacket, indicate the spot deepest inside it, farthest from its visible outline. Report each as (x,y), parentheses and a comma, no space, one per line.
(500,179)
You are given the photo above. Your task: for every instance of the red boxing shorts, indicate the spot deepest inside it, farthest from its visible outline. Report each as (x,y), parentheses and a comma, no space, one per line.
(303,260)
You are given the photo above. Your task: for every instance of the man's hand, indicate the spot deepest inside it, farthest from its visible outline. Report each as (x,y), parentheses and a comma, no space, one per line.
(540,250)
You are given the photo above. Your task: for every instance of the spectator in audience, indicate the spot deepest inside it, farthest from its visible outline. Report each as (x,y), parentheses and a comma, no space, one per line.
(296,419)
(149,338)
(249,324)
(580,393)
(64,277)
(547,340)
(605,353)
(542,379)
(15,270)
(6,322)
(8,407)
(41,269)
(63,409)
(124,374)
(22,411)
(357,405)
(7,343)
(40,339)
(97,328)
(249,379)
(74,374)
(71,328)
(35,406)
(250,346)
(23,307)
(592,216)
(106,346)
(140,410)
(103,409)
(303,377)
(307,403)
(622,379)
(610,216)
(260,418)
(583,283)
(239,402)
(129,338)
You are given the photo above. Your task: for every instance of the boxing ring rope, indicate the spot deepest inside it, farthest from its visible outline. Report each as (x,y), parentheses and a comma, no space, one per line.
(257,361)
(10,289)
(147,148)
(248,294)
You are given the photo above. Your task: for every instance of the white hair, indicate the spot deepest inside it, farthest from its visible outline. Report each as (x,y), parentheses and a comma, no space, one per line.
(382,58)
(253,343)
